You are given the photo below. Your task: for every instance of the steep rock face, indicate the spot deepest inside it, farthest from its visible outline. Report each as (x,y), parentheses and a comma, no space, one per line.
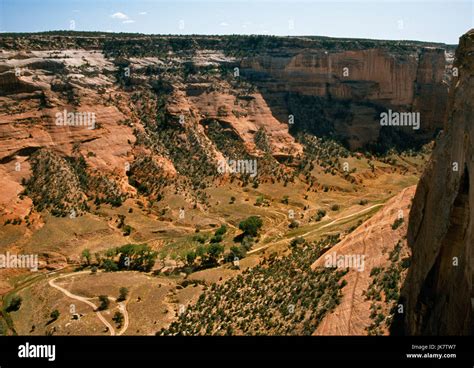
(372,79)
(439,287)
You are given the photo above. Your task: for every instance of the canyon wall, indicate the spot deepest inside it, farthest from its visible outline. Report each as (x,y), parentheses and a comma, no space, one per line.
(357,85)
(332,87)
(438,292)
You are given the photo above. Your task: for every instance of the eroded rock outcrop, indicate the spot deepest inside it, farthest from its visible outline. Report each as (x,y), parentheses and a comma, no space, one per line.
(438,292)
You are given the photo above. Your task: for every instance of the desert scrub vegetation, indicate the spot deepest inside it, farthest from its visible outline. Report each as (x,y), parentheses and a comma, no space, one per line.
(137,45)
(397,223)
(232,146)
(55,185)
(280,296)
(320,214)
(384,291)
(226,140)
(261,141)
(323,152)
(165,136)
(148,177)
(65,185)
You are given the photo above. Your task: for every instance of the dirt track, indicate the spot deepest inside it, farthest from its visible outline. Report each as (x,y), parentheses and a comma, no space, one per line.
(319,228)
(122,305)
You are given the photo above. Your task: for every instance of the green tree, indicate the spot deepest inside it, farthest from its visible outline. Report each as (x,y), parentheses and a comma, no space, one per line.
(221,231)
(54,315)
(127,229)
(123,293)
(86,256)
(109,265)
(215,250)
(104,302)
(251,225)
(293,224)
(216,239)
(190,257)
(15,304)
(397,223)
(118,318)
(200,251)
(235,253)
(296,241)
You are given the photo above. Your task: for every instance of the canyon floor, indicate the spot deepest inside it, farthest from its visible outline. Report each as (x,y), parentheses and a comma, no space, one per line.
(155,299)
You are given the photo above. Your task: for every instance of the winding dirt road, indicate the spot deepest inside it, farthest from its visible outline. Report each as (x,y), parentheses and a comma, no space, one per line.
(121,305)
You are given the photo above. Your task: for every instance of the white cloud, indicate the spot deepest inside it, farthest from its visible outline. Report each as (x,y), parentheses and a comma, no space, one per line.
(128,21)
(119,15)
(143,13)
(224,24)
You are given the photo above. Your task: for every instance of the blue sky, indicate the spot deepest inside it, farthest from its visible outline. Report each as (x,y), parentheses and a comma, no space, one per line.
(439,20)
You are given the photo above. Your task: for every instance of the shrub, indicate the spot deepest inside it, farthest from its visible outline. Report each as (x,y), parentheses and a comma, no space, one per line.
(320,214)
(109,265)
(297,241)
(397,223)
(293,224)
(221,231)
(86,256)
(200,238)
(118,318)
(216,239)
(127,229)
(15,304)
(54,315)
(190,257)
(104,302)
(251,225)
(123,293)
